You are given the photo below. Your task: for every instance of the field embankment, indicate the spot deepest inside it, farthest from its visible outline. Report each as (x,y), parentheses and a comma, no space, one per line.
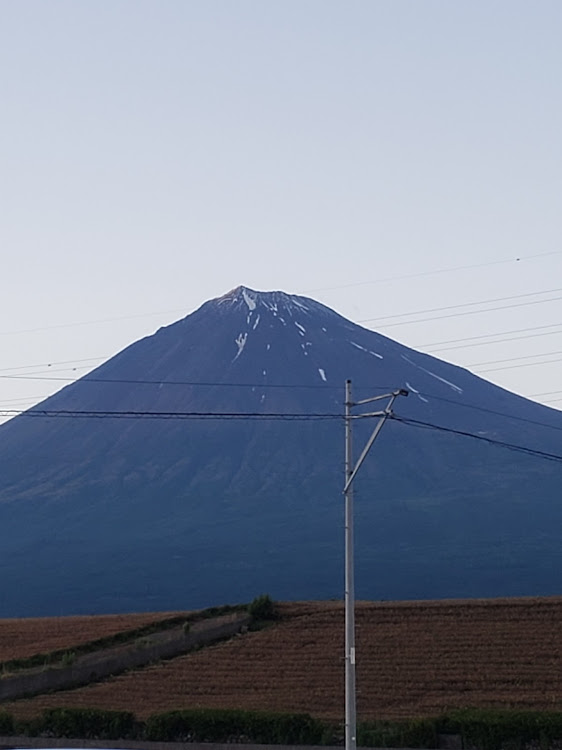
(25,637)
(414,659)
(96,664)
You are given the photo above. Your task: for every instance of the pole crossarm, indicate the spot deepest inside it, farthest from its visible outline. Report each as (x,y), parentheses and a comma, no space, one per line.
(399,392)
(368,414)
(383,417)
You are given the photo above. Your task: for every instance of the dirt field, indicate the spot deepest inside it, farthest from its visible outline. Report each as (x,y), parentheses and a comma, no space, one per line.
(20,638)
(413,659)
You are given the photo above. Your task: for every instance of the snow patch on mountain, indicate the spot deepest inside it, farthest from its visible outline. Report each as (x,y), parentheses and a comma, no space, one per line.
(240,341)
(418,394)
(297,302)
(363,349)
(358,346)
(248,300)
(455,388)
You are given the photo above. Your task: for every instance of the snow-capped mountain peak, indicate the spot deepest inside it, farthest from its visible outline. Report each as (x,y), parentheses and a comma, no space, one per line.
(276,302)
(221,454)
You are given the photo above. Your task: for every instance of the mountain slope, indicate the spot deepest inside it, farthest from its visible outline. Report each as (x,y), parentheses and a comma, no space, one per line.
(115,514)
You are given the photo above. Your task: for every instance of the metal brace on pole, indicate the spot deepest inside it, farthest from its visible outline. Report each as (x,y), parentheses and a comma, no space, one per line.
(351,470)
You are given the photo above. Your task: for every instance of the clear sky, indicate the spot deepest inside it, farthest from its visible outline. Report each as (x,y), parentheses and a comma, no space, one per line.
(382,156)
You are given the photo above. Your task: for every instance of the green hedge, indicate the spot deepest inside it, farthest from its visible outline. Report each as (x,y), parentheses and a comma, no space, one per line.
(412,733)
(221,725)
(493,729)
(81,723)
(6,723)
(483,729)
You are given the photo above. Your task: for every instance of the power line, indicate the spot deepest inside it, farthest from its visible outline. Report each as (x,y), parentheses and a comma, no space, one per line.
(491,335)
(513,359)
(524,364)
(205,384)
(85,414)
(465,304)
(38,329)
(462,314)
(72,414)
(209,384)
(35,375)
(50,364)
(485,410)
(491,441)
(25,400)
(476,339)
(434,272)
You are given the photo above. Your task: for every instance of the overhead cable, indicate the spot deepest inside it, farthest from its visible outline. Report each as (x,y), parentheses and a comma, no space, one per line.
(482,438)
(514,359)
(72,414)
(210,384)
(467,312)
(477,341)
(434,272)
(465,304)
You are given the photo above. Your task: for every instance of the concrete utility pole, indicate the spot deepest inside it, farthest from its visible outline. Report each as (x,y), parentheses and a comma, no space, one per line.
(350,474)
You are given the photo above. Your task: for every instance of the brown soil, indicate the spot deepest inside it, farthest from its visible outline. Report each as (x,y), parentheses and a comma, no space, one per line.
(21,638)
(413,659)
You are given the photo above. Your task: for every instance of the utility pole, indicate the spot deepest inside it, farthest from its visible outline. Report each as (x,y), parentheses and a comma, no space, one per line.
(350,474)
(350,717)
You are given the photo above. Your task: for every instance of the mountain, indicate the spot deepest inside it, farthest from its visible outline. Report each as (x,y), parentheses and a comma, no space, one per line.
(139,499)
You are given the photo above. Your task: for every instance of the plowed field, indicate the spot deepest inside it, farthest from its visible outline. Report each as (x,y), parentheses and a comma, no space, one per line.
(413,659)
(20,638)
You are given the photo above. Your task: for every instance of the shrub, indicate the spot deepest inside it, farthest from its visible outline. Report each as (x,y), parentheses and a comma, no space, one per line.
(492,729)
(87,723)
(223,725)
(6,723)
(413,733)
(262,608)
(485,729)
(68,658)
(27,727)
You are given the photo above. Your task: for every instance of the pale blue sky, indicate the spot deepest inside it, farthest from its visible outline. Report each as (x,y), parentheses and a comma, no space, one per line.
(158,153)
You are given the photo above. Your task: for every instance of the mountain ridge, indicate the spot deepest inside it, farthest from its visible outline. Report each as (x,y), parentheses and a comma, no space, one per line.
(253,504)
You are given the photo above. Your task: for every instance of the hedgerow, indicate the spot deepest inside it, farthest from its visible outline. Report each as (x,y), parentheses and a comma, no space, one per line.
(224,725)
(478,728)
